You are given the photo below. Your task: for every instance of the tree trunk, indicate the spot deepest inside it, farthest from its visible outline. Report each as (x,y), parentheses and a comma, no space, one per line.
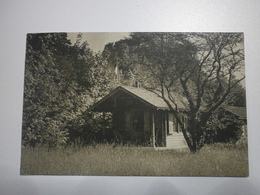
(193,138)
(193,149)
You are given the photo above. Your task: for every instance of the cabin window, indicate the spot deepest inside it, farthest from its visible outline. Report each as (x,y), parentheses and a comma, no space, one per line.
(184,120)
(172,127)
(178,126)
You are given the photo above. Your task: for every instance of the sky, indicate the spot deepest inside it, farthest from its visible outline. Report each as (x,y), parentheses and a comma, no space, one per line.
(97,41)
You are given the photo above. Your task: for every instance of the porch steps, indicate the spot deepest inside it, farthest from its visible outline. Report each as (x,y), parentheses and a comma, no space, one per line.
(176,141)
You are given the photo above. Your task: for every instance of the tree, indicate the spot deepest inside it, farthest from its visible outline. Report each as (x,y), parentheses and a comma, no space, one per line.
(237,97)
(61,82)
(199,66)
(41,87)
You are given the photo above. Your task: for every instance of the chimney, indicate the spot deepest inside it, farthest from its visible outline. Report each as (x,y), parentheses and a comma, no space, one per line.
(137,84)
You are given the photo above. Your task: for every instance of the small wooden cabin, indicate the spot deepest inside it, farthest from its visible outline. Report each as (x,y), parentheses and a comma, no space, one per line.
(240,113)
(140,116)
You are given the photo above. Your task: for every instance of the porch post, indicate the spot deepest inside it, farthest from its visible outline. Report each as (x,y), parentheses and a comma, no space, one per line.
(103,125)
(167,123)
(163,128)
(153,129)
(166,128)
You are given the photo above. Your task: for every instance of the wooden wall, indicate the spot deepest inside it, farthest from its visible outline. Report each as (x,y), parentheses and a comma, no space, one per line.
(134,124)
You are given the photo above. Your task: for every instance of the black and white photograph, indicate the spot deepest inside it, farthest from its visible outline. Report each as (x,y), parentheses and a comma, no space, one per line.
(135,104)
(129,97)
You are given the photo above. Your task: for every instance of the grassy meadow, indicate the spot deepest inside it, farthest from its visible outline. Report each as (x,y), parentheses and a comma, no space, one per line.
(111,160)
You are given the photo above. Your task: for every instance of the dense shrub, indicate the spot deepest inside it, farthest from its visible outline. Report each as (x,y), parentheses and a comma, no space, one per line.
(223,127)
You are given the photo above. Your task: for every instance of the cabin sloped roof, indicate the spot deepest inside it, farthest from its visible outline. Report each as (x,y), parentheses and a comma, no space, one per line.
(145,96)
(238,111)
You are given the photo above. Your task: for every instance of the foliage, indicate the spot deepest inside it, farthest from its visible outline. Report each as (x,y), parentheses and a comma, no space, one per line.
(201,67)
(61,82)
(237,97)
(223,127)
(242,143)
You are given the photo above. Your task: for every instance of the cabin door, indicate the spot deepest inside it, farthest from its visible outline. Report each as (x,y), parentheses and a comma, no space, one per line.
(137,119)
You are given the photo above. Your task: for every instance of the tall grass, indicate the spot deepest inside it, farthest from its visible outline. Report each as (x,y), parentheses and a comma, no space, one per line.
(125,161)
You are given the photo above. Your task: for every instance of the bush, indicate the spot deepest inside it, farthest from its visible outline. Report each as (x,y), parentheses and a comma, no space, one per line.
(223,127)
(242,143)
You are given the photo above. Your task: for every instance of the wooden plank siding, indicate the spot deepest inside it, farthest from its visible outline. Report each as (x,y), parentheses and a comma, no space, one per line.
(160,129)
(176,141)
(153,130)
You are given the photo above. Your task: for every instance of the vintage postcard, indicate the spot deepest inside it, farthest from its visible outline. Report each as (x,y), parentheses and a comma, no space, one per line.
(135,104)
